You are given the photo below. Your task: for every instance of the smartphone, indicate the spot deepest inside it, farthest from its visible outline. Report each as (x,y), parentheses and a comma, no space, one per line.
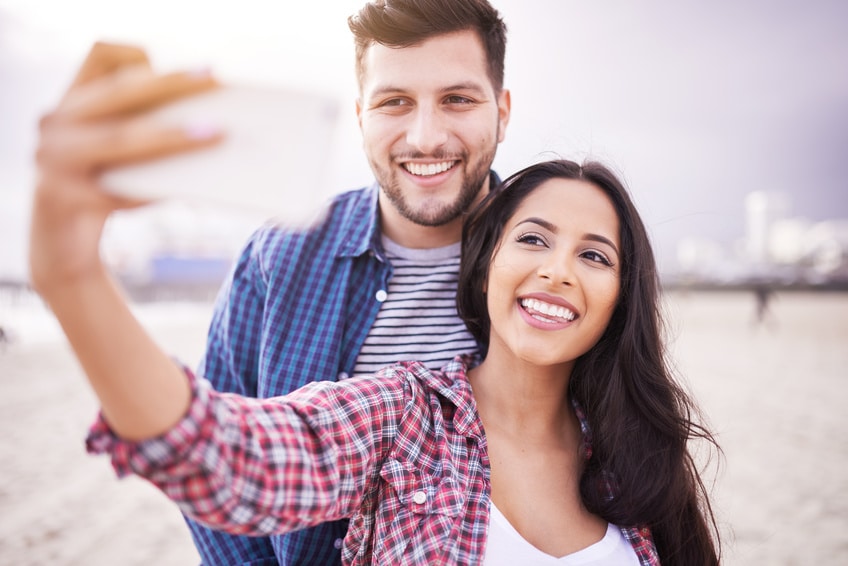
(272,160)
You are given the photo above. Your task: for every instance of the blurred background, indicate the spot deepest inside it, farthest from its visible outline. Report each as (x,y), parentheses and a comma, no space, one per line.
(729,122)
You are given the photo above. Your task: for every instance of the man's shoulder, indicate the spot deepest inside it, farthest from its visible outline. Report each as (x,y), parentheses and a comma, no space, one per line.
(346,216)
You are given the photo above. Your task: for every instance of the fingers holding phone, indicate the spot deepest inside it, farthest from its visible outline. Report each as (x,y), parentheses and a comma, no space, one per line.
(99,124)
(101,117)
(129,89)
(101,121)
(90,146)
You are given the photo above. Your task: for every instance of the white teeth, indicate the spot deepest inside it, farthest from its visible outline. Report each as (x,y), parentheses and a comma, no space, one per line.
(547,309)
(428,169)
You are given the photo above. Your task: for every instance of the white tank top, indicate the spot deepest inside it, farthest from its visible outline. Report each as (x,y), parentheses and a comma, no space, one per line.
(506,547)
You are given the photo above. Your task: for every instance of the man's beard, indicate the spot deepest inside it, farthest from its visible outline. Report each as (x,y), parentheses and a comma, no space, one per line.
(444,213)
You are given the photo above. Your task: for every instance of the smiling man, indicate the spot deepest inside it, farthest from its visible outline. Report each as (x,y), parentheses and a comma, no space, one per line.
(375,281)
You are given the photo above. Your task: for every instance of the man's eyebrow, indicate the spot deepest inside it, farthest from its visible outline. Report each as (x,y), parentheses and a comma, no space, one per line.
(466,86)
(384,90)
(458,87)
(549,226)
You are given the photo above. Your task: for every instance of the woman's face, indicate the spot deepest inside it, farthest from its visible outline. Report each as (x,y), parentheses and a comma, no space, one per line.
(554,278)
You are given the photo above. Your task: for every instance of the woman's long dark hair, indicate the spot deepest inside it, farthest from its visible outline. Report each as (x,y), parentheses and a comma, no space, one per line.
(641,419)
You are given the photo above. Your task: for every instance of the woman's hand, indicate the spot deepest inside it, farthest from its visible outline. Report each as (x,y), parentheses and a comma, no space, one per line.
(98,124)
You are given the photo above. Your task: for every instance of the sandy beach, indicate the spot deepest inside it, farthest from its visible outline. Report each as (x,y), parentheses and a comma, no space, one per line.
(775,392)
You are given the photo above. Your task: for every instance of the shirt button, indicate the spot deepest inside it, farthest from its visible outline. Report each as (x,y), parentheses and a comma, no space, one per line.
(343,375)
(337,543)
(419,497)
(381,295)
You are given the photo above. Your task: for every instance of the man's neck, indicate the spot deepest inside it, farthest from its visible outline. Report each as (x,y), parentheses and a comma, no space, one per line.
(412,235)
(408,234)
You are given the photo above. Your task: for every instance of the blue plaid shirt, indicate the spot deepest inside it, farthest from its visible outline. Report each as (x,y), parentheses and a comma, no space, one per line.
(297,308)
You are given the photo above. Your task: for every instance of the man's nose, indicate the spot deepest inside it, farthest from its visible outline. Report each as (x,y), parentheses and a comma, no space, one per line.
(427,131)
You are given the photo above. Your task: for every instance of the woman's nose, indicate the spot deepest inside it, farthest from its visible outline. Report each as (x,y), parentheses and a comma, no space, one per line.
(557,269)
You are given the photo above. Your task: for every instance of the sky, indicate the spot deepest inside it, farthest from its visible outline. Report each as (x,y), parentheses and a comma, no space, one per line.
(695,104)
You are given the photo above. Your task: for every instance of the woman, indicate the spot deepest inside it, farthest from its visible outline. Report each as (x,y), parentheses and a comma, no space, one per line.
(565,443)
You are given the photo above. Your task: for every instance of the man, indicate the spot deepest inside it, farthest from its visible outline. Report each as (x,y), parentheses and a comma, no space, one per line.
(374,281)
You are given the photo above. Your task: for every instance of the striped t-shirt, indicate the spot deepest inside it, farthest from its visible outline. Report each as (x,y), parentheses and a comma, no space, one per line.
(418,319)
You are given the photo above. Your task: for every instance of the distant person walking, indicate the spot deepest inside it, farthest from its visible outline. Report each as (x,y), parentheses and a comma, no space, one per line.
(762,295)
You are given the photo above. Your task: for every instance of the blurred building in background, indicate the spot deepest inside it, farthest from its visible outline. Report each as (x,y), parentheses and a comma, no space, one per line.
(777,249)
(175,250)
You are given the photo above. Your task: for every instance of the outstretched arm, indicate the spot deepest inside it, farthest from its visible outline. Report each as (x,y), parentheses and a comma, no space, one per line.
(96,126)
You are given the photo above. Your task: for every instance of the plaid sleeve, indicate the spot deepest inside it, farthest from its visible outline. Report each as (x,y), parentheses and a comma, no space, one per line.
(643,544)
(143,458)
(263,466)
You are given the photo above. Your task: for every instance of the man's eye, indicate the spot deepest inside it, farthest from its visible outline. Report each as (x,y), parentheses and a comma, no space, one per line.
(456,99)
(393,102)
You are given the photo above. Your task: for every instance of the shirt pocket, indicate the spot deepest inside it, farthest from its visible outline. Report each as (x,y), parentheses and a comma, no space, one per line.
(417,513)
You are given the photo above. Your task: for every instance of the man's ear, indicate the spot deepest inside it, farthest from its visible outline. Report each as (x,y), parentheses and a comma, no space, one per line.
(504,110)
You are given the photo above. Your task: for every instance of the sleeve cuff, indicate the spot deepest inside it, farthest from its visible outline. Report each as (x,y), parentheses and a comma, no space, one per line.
(176,448)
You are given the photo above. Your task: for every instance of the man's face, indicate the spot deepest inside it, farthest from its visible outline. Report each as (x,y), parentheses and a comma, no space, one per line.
(431,121)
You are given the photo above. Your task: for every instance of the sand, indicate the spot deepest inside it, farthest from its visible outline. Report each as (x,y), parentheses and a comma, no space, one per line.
(775,393)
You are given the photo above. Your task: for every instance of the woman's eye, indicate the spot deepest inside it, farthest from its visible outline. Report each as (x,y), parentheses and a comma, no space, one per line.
(531,239)
(597,257)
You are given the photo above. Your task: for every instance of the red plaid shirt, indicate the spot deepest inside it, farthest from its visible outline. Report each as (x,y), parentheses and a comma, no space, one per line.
(402,453)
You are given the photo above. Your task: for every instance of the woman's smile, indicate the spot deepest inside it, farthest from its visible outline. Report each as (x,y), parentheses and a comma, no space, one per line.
(546,312)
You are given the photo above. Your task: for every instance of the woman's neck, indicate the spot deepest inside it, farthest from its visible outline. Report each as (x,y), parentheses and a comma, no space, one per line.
(522,397)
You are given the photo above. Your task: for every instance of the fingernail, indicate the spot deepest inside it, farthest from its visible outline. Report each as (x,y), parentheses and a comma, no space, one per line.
(201,131)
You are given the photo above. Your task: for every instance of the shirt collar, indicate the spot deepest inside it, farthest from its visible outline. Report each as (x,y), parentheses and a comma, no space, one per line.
(360,225)
(451,382)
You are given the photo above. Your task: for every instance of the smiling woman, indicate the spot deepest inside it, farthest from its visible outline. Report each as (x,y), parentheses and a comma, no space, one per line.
(596,264)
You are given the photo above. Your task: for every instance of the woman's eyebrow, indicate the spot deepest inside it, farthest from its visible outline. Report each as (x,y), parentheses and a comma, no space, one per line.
(602,240)
(550,226)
